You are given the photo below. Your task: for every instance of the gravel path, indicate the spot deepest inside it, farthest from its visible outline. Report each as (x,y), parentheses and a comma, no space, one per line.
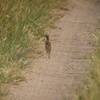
(57,78)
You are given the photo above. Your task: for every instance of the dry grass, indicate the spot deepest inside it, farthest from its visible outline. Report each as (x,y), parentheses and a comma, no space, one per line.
(91,88)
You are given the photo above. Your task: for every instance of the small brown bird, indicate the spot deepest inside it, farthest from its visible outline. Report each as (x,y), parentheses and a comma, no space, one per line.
(47,45)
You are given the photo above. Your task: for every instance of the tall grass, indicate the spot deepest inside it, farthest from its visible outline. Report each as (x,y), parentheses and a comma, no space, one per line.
(22,22)
(91,90)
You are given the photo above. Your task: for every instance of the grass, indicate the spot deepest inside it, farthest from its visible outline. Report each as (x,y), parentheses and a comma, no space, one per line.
(22,24)
(91,89)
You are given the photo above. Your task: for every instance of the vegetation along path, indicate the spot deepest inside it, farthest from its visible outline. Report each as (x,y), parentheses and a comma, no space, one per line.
(58,77)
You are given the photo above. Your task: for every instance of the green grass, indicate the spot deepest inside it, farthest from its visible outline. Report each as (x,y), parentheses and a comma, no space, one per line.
(91,88)
(22,24)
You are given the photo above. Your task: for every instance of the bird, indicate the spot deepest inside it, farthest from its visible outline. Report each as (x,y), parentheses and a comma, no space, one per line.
(47,45)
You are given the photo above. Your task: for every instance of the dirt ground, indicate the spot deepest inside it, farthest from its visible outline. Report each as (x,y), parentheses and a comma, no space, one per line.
(58,77)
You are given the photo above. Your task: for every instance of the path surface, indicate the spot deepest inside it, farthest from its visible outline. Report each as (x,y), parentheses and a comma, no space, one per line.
(57,78)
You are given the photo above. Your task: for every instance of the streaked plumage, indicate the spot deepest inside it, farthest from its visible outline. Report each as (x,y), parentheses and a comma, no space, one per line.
(47,45)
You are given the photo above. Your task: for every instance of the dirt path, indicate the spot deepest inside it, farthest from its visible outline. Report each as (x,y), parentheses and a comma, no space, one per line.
(57,78)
